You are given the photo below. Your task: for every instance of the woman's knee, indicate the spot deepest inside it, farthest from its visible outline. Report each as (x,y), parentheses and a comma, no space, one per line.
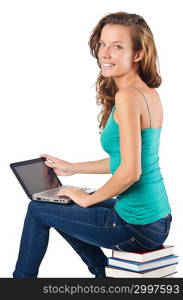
(33,206)
(35,210)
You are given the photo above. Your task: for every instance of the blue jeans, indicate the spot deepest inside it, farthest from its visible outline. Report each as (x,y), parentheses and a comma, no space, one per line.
(86,230)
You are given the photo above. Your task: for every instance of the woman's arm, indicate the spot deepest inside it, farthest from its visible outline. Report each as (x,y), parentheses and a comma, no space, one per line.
(65,168)
(91,167)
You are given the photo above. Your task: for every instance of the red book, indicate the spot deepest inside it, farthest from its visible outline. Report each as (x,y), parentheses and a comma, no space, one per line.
(163,251)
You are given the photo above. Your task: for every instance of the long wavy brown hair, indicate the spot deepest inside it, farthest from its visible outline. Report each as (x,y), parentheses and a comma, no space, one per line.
(142,39)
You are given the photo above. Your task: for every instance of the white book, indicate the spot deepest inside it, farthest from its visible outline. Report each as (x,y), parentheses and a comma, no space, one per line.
(139,266)
(122,273)
(165,250)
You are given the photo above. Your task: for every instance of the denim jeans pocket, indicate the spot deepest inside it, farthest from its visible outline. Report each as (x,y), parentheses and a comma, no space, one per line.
(135,245)
(108,221)
(113,220)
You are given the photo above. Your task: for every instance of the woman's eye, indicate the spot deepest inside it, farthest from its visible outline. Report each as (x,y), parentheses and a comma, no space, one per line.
(118,46)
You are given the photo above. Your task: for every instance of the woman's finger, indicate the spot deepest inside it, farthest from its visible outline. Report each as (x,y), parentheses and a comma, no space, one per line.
(48,156)
(62,193)
(50,164)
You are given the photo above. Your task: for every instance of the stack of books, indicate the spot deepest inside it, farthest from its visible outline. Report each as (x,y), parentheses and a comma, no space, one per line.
(157,263)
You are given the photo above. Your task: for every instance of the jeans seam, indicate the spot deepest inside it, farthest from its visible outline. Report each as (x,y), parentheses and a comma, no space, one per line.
(156,231)
(108,219)
(150,248)
(114,226)
(117,245)
(24,262)
(84,223)
(141,234)
(134,239)
(158,226)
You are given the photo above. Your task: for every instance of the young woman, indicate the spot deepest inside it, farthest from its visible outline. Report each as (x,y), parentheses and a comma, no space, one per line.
(139,217)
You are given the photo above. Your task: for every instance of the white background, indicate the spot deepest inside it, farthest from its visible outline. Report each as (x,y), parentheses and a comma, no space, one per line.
(48,105)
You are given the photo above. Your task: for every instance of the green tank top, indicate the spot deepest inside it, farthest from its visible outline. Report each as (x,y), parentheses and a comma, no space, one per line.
(146,200)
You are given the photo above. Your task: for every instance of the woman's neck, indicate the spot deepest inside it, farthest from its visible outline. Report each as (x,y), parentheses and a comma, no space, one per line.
(126,80)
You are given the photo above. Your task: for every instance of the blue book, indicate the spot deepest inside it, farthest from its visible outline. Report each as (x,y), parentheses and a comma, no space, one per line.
(142,266)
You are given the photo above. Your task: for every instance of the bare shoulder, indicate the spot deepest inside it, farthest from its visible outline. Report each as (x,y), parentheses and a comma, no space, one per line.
(129,101)
(134,96)
(128,97)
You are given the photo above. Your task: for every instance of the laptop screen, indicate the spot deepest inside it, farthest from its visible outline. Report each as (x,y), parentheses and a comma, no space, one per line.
(37,177)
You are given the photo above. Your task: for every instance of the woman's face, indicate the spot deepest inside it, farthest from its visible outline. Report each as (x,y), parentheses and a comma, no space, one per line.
(116,55)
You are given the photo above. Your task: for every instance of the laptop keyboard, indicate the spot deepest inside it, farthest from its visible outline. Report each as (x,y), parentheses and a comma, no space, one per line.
(54,193)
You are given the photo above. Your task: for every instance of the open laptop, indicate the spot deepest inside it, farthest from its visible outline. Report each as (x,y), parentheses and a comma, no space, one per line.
(40,181)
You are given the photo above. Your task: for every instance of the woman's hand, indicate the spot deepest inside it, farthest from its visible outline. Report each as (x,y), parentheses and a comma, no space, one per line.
(60,167)
(78,196)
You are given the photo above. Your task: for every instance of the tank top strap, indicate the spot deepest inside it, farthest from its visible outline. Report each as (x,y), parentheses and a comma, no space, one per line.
(145,101)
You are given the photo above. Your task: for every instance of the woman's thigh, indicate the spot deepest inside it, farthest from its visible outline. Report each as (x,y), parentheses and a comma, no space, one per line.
(97,225)
(110,203)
